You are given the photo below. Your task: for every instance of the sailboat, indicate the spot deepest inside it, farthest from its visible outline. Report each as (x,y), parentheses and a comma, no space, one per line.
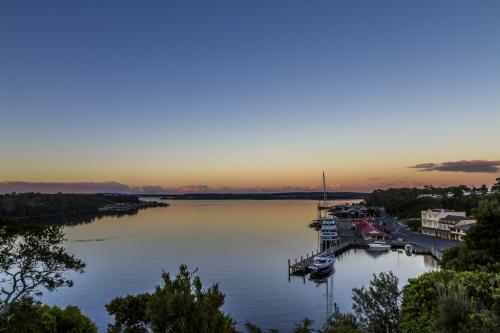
(323,206)
(328,234)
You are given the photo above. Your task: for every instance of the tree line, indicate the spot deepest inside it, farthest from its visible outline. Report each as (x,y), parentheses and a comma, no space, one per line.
(409,202)
(26,205)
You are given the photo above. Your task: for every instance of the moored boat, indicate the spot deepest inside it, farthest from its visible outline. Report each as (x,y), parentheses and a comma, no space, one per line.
(328,231)
(379,246)
(321,266)
(408,249)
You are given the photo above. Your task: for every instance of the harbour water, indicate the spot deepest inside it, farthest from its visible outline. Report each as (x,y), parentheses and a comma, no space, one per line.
(243,245)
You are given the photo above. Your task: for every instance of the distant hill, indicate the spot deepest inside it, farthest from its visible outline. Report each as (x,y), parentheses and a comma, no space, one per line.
(264,196)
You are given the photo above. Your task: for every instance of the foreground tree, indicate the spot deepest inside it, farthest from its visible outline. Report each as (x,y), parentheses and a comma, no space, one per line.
(481,248)
(32,259)
(448,301)
(342,323)
(304,327)
(178,305)
(252,328)
(338,323)
(377,307)
(29,316)
(453,304)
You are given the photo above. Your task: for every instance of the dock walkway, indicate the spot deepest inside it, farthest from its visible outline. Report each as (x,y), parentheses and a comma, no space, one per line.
(300,266)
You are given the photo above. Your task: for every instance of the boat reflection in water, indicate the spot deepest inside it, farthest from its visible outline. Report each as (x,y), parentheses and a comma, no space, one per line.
(327,281)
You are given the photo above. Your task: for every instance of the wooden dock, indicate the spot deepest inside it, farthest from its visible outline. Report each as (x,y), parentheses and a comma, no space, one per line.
(300,266)
(419,249)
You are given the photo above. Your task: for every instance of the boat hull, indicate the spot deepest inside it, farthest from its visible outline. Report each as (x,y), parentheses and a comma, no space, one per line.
(319,273)
(379,248)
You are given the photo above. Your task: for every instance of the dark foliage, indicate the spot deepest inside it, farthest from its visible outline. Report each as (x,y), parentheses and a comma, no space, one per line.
(342,323)
(27,205)
(405,202)
(32,259)
(377,307)
(481,248)
(448,301)
(415,224)
(28,316)
(178,305)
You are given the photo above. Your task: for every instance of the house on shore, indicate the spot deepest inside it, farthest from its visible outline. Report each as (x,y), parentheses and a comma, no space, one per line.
(447,224)
(429,195)
(369,230)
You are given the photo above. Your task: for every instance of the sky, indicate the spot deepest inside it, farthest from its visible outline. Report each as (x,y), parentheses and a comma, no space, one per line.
(232,95)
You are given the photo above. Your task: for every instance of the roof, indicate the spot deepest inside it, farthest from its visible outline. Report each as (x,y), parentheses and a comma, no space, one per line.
(368,228)
(464,227)
(439,210)
(455,218)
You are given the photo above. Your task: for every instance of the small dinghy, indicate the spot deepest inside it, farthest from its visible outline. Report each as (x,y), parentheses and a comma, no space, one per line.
(409,249)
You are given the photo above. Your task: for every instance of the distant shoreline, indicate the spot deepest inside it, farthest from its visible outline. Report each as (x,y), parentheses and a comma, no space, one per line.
(37,206)
(261,196)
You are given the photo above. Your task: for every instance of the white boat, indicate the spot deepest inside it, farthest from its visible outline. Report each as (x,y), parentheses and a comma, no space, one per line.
(328,231)
(328,236)
(379,246)
(408,249)
(330,219)
(321,266)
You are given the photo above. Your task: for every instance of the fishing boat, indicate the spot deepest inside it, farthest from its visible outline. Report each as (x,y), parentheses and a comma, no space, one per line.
(379,246)
(321,266)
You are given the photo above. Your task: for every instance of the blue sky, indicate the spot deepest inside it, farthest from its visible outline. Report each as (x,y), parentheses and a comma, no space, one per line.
(260,93)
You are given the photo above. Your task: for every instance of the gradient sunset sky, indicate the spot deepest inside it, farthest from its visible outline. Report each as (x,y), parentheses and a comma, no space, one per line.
(250,94)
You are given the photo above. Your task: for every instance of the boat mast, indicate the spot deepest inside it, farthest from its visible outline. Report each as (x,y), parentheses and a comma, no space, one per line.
(324,190)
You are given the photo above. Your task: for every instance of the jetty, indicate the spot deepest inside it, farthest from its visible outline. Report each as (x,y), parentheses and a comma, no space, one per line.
(418,249)
(299,266)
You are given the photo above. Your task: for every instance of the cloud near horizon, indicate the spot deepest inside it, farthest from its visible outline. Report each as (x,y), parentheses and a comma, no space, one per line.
(472,166)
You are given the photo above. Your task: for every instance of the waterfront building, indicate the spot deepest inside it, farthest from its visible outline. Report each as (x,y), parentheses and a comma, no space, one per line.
(369,230)
(429,195)
(441,222)
(458,233)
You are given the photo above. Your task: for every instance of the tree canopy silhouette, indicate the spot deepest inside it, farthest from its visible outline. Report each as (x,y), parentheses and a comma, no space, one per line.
(32,259)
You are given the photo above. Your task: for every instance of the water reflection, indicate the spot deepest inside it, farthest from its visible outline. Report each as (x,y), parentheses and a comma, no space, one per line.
(244,245)
(72,219)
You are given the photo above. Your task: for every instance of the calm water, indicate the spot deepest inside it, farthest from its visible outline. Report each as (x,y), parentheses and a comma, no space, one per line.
(243,245)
